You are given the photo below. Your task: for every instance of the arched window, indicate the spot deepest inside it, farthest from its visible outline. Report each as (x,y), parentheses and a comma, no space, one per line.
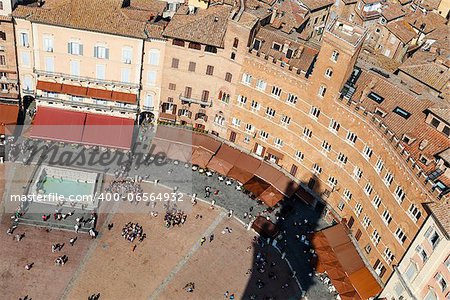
(322,91)
(328,72)
(228,77)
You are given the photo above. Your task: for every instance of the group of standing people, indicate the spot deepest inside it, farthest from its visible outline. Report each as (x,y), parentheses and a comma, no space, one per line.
(174,217)
(132,231)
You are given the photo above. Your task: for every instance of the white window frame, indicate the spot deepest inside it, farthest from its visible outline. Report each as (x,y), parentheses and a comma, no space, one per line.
(153,57)
(335,56)
(276,92)
(299,156)
(291,99)
(399,194)
(368,188)
(246,79)
(334,126)
(261,85)
(270,112)
(127,55)
(236,122)
(314,113)
(351,137)
(48,43)
(263,135)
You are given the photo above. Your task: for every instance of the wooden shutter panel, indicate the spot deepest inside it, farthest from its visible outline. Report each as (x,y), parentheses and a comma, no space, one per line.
(107,53)
(96,51)
(69,48)
(81,49)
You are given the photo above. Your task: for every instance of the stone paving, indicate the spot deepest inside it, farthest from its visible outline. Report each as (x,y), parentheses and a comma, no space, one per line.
(167,258)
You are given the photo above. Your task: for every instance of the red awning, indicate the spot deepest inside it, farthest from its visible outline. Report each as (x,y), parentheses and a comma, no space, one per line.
(124,97)
(224,159)
(74,90)
(49,86)
(8,116)
(270,196)
(108,131)
(99,94)
(167,117)
(201,157)
(58,124)
(256,186)
(180,152)
(265,228)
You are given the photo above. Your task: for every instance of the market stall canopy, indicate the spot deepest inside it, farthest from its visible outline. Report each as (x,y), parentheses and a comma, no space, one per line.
(244,168)
(8,116)
(180,152)
(271,196)
(265,228)
(205,142)
(359,282)
(58,125)
(224,159)
(107,131)
(286,185)
(268,173)
(201,157)
(256,186)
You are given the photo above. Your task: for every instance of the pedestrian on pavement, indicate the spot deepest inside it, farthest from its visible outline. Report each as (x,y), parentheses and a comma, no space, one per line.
(226,294)
(202,241)
(72,241)
(211,238)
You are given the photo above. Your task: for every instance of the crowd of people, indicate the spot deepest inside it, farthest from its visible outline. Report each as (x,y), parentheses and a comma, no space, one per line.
(124,186)
(132,231)
(174,217)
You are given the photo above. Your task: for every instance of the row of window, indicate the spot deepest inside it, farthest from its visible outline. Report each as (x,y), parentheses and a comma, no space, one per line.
(193,66)
(277,91)
(99,51)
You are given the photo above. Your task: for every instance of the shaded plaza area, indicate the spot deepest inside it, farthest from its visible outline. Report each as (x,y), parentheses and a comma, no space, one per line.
(159,267)
(162,265)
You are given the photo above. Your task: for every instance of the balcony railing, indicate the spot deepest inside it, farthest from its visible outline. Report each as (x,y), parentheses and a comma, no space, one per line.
(4,79)
(197,101)
(28,92)
(148,108)
(109,107)
(86,79)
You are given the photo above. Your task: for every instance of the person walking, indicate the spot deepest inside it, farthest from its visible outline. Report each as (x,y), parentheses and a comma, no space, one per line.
(202,241)
(72,241)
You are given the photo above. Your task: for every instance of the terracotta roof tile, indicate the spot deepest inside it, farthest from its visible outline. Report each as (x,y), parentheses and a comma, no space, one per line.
(393,11)
(290,16)
(302,56)
(402,30)
(441,212)
(429,21)
(207,26)
(316,4)
(414,126)
(423,67)
(105,16)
